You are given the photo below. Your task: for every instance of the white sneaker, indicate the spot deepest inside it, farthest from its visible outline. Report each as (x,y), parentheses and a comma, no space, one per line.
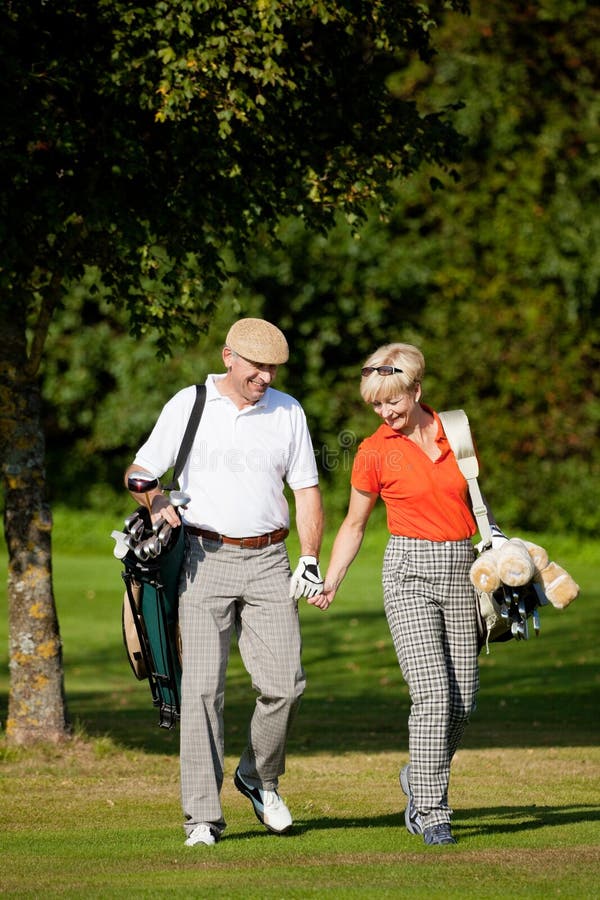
(268,806)
(202,834)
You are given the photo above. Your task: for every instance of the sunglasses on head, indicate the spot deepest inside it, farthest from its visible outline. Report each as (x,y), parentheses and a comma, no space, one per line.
(381,370)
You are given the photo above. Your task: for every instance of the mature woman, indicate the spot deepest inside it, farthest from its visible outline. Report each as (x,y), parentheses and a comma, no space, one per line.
(428,598)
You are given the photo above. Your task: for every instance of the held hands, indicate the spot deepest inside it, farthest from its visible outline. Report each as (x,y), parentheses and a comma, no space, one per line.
(306,580)
(324,600)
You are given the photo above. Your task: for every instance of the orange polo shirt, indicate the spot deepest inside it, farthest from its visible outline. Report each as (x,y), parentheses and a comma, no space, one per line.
(423,499)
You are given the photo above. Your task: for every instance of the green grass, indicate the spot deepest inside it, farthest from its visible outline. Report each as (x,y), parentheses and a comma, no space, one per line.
(101,817)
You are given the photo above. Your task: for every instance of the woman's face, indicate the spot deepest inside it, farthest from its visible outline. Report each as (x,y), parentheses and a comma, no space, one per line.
(398,412)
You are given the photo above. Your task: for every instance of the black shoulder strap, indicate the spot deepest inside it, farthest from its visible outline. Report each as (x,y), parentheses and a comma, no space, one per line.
(188,437)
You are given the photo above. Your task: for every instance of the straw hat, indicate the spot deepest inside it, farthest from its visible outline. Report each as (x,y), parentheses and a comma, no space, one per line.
(259,341)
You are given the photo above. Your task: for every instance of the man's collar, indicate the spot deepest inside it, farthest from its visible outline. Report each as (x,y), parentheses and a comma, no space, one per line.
(213,393)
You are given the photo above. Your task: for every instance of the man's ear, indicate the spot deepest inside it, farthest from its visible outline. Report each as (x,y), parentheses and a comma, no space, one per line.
(227,355)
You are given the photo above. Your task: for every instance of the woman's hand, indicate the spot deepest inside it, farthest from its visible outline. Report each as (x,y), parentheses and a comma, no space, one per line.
(323,600)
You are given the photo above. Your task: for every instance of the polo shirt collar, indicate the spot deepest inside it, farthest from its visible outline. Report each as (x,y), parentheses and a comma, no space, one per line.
(440,437)
(213,393)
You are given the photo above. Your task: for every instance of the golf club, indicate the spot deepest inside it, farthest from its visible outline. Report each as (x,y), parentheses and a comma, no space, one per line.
(137,530)
(142,483)
(130,541)
(165,533)
(154,545)
(178,498)
(131,520)
(121,546)
(142,552)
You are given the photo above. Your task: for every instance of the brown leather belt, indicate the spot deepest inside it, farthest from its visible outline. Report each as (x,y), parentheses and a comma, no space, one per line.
(246,543)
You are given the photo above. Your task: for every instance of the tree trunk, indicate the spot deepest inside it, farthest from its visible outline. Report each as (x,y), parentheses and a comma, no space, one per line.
(36,708)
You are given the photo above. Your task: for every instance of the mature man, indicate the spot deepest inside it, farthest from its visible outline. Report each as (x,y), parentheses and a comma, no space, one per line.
(251,440)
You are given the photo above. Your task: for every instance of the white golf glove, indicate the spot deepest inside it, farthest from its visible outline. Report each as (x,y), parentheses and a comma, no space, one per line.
(306,580)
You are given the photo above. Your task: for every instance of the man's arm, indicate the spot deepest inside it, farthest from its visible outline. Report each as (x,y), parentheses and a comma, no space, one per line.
(309,520)
(306,579)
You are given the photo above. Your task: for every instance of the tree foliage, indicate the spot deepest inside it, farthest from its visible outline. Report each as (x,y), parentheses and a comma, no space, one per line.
(515,322)
(496,277)
(146,139)
(148,143)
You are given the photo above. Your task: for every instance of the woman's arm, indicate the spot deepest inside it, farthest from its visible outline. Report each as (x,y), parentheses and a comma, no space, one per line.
(346,545)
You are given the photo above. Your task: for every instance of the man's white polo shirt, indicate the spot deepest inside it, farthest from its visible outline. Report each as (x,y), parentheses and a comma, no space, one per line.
(239,460)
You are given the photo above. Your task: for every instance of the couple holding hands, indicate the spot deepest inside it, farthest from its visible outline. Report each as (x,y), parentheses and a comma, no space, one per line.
(251,441)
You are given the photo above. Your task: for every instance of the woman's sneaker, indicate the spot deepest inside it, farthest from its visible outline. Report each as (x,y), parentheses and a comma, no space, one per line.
(438,834)
(268,806)
(202,834)
(411,816)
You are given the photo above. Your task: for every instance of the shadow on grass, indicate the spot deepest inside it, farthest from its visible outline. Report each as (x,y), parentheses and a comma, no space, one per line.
(485,821)
(370,721)
(538,693)
(514,819)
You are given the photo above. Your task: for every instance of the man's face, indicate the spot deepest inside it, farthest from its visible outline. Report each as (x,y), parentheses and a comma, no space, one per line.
(248,379)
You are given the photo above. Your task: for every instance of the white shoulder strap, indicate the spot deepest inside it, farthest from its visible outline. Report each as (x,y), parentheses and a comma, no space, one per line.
(456,425)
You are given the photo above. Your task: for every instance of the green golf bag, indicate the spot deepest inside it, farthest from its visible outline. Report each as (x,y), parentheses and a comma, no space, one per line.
(150,621)
(150,607)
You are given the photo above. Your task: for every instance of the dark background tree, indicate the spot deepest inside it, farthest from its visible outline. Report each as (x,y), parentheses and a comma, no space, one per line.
(147,142)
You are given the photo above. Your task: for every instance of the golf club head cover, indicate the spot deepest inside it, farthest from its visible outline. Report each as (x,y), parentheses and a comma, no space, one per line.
(538,554)
(484,572)
(306,580)
(515,565)
(559,587)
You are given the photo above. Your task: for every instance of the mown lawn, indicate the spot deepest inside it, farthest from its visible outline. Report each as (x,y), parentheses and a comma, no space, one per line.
(101,817)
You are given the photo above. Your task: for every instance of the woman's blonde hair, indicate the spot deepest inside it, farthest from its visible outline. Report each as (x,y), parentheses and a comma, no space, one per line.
(376,387)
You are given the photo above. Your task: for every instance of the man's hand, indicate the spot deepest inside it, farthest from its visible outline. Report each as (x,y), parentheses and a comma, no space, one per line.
(162,508)
(306,580)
